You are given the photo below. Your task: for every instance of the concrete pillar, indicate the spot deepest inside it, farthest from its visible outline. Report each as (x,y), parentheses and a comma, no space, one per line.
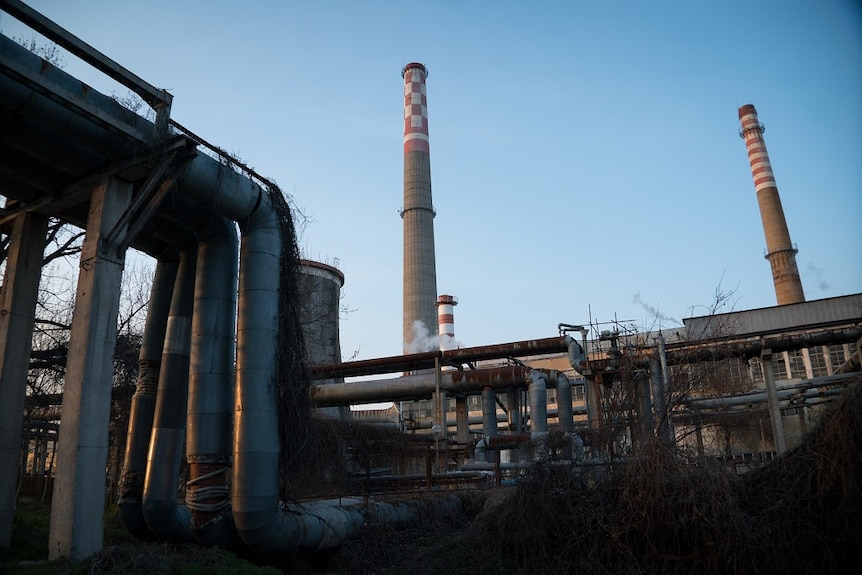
(772,402)
(806,361)
(827,359)
(78,507)
(17,312)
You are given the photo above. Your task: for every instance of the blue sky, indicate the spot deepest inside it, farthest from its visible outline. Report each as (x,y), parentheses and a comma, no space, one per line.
(585,156)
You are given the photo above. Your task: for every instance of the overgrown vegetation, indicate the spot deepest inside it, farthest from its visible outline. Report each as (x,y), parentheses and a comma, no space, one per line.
(653,513)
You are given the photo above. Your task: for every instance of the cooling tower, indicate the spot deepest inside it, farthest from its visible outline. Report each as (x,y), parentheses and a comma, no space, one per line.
(779,249)
(319,306)
(420,272)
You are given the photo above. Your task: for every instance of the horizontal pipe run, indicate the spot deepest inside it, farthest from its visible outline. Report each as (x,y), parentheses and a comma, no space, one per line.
(421,385)
(419,361)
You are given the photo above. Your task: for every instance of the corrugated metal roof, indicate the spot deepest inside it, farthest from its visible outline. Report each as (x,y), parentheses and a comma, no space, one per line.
(830,311)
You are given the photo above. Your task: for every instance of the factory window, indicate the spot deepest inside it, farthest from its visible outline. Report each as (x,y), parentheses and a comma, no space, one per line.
(474,402)
(818,361)
(578,391)
(779,366)
(755,370)
(789,411)
(796,364)
(836,356)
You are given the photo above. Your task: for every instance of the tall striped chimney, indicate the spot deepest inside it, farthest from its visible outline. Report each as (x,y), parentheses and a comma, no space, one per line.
(779,249)
(420,272)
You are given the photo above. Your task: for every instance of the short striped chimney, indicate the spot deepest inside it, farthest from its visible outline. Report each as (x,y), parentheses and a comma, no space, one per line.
(420,272)
(779,249)
(446,315)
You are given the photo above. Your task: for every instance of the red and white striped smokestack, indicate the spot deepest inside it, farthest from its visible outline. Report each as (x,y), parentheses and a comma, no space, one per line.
(779,249)
(446,315)
(420,272)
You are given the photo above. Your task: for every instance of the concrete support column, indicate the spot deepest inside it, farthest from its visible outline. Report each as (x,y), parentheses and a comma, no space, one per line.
(78,507)
(17,313)
(806,361)
(827,359)
(772,402)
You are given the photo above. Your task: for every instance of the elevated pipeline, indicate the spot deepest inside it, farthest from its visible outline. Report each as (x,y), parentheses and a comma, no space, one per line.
(454,357)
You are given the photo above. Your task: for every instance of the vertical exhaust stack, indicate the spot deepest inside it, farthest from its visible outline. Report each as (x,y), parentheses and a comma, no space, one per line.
(420,272)
(446,319)
(779,249)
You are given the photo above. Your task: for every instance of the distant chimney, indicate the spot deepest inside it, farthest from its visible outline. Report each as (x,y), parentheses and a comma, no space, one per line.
(446,315)
(780,251)
(420,272)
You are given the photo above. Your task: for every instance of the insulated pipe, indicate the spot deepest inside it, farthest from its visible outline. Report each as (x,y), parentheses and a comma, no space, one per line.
(501,418)
(538,392)
(418,386)
(261,524)
(210,410)
(749,346)
(144,401)
(489,411)
(564,403)
(425,360)
(163,516)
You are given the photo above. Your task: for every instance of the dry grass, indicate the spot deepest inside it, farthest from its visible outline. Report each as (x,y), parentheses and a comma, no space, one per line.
(656,514)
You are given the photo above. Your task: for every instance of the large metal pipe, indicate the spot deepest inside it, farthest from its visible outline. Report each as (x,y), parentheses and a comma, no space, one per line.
(489,411)
(144,401)
(165,519)
(425,360)
(210,410)
(538,392)
(564,402)
(418,386)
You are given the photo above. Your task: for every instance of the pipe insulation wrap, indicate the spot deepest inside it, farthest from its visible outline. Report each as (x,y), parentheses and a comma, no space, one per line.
(178,340)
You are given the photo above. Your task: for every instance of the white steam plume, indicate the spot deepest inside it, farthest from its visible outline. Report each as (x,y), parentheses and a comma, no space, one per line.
(423,340)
